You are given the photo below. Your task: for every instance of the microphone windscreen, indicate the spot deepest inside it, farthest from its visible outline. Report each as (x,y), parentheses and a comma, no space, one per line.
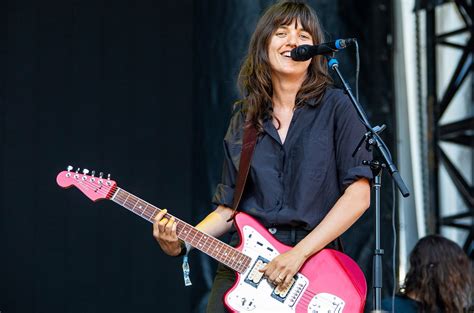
(300,53)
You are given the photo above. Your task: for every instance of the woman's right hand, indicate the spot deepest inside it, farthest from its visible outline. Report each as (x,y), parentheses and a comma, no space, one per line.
(164,231)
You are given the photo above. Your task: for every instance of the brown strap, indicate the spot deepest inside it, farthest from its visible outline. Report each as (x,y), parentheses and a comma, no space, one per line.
(248,147)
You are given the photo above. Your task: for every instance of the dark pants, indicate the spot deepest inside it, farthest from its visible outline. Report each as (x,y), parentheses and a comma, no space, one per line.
(225,277)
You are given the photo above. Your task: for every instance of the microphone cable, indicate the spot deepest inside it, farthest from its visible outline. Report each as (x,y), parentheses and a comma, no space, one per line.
(394,193)
(357,68)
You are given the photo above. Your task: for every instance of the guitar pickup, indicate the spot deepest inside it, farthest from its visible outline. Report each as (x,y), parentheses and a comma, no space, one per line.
(280,293)
(254,277)
(283,292)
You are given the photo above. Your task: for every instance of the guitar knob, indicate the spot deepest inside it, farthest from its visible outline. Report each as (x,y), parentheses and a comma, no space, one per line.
(85,171)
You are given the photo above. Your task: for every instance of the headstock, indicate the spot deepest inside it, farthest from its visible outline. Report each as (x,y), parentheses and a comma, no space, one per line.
(95,188)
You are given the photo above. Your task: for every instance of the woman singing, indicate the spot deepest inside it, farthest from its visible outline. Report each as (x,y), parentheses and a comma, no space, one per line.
(304,185)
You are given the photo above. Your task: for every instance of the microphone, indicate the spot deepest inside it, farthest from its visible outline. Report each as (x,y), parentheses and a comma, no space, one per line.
(306,52)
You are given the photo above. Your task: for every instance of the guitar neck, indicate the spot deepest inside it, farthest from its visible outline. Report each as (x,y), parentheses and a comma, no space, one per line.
(213,247)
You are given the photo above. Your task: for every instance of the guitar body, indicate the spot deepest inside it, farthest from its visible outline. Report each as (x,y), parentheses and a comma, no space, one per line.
(329,281)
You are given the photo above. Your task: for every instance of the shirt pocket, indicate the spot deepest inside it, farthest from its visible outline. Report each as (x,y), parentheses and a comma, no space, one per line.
(313,156)
(235,150)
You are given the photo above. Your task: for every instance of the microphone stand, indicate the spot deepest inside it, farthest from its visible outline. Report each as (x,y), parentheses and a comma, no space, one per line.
(372,139)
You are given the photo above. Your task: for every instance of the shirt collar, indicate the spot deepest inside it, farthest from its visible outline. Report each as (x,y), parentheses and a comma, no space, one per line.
(311,102)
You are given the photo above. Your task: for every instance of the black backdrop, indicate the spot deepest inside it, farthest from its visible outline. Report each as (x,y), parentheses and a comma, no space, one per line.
(143,90)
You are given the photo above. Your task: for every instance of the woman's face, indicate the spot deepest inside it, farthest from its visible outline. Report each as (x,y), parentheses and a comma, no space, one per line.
(283,40)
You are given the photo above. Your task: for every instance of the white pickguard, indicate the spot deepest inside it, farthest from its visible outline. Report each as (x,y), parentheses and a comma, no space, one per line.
(258,297)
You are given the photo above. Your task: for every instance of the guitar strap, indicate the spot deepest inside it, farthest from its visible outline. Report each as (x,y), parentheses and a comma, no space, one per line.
(248,147)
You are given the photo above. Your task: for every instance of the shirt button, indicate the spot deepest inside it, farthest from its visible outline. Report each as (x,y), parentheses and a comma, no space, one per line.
(279,174)
(272,230)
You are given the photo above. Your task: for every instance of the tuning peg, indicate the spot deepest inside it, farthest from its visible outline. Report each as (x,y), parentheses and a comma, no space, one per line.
(93,173)
(101,174)
(70,168)
(78,169)
(108,176)
(85,171)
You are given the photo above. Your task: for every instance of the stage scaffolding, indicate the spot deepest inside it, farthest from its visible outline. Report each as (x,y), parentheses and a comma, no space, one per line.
(436,110)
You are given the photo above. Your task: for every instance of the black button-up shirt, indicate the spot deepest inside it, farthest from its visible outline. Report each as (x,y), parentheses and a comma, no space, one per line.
(298,182)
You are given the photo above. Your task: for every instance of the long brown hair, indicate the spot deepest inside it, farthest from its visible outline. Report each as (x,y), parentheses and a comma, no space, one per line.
(440,276)
(255,75)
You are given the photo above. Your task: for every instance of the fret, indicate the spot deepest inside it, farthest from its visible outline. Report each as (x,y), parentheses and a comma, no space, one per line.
(223,253)
(226,255)
(193,232)
(232,258)
(240,259)
(207,246)
(210,247)
(136,201)
(199,238)
(128,195)
(119,196)
(218,251)
(131,200)
(153,214)
(140,206)
(206,239)
(149,215)
(127,203)
(184,233)
(180,231)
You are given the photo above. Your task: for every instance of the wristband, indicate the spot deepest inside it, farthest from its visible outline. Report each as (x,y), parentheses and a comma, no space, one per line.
(185,265)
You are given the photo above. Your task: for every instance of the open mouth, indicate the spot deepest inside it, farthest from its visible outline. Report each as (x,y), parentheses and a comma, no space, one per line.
(286,54)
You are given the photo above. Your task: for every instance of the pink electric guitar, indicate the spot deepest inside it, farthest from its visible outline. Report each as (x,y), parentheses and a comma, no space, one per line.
(329,281)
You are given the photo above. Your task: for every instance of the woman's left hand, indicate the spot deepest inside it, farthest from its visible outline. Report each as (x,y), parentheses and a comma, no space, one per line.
(281,269)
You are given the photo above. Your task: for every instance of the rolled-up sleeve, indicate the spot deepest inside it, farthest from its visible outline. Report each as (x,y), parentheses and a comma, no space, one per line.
(232,143)
(349,131)
(224,194)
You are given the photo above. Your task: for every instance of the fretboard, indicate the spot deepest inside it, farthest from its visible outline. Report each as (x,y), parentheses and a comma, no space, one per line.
(213,247)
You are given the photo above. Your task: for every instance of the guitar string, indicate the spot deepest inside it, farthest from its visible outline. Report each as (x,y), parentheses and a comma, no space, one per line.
(198,239)
(306,297)
(227,254)
(234,261)
(240,261)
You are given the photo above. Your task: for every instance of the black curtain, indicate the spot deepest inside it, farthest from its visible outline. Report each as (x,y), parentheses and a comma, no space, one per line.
(104,85)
